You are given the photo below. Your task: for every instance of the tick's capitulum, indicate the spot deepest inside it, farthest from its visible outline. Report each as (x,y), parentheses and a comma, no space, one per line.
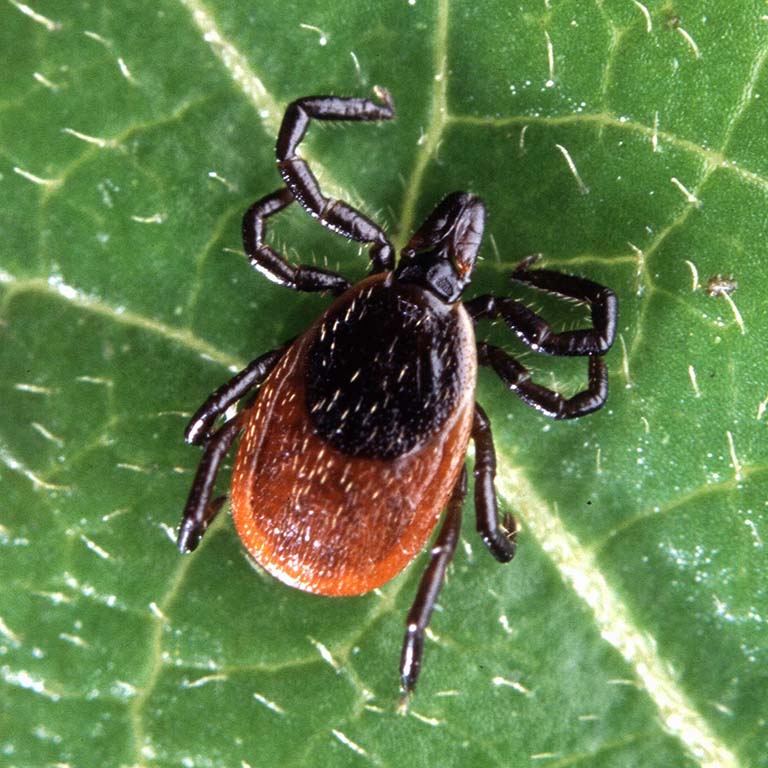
(357,437)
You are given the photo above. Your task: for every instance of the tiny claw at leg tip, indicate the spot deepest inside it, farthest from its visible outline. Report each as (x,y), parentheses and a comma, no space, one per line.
(186,541)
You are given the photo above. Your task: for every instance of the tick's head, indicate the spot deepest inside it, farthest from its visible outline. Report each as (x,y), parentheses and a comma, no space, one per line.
(442,253)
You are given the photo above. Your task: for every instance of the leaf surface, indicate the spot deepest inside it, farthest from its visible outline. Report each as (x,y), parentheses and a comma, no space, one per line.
(624,141)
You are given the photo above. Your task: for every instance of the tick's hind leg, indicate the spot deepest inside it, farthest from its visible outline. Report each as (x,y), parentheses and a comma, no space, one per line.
(200,510)
(336,215)
(518,378)
(429,587)
(536,332)
(500,540)
(198,431)
(602,301)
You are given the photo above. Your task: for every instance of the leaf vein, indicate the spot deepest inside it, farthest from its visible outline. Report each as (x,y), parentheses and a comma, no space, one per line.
(578,567)
(439,119)
(79,298)
(677,504)
(714,158)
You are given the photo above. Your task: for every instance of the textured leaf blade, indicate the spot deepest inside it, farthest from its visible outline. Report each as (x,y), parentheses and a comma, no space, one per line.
(626,146)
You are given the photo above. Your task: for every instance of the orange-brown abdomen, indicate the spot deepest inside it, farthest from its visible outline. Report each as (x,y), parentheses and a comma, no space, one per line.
(329,522)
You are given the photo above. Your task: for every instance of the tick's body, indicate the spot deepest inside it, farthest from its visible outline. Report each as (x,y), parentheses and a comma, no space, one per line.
(334,491)
(356,440)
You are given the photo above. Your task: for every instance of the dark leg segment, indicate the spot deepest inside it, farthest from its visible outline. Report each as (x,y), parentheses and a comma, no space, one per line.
(429,586)
(518,378)
(271,264)
(200,510)
(336,215)
(499,540)
(535,331)
(198,430)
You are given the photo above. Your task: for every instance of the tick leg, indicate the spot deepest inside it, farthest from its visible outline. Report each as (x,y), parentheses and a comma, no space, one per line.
(200,510)
(534,331)
(429,587)
(270,263)
(518,378)
(500,540)
(336,215)
(198,430)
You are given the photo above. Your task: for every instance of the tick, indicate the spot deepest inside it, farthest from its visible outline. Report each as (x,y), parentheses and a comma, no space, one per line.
(356,439)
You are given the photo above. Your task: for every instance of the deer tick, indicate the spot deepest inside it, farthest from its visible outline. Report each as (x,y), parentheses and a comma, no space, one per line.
(355,442)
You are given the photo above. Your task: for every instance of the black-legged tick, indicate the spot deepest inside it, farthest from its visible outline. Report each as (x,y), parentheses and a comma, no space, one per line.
(356,440)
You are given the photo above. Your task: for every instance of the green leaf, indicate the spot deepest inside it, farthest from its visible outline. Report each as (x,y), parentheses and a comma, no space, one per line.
(624,141)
